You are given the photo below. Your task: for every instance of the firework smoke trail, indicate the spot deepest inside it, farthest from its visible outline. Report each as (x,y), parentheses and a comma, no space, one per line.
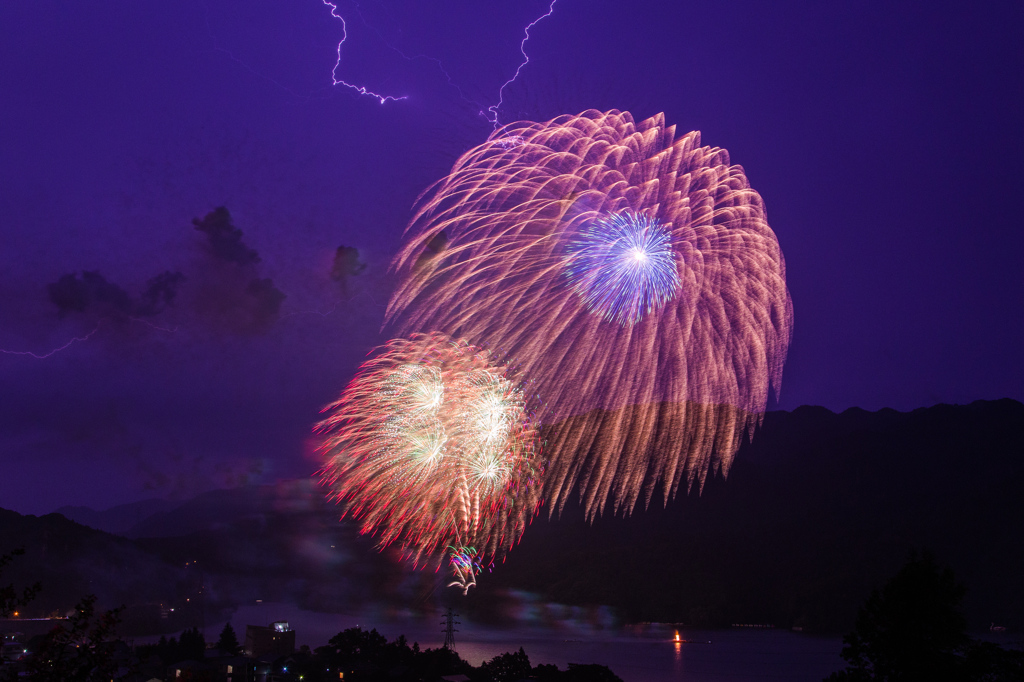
(432,447)
(634,277)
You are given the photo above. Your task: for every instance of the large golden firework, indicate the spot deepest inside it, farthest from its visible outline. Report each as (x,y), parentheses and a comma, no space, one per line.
(631,273)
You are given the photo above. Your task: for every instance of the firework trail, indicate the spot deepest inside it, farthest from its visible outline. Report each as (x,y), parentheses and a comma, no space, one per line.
(432,447)
(635,279)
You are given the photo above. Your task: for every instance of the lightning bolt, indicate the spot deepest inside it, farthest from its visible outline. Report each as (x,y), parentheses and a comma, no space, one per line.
(334,73)
(155,326)
(77,339)
(491,113)
(526,60)
(81,339)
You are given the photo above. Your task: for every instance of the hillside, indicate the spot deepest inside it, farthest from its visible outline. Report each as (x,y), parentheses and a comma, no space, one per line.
(71,560)
(819,509)
(118,520)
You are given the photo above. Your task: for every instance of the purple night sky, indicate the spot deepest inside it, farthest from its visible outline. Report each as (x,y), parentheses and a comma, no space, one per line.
(887,142)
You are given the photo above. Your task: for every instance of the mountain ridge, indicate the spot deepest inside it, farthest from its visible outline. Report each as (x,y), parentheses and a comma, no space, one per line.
(818,510)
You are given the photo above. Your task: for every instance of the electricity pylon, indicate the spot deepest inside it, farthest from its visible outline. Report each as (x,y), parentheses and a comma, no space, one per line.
(449,624)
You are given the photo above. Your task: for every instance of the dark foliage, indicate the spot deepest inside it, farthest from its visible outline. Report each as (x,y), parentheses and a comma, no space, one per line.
(228,641)
(589,672)
(913,629)
(367,656)
(507,667)
(191,647)
(83,650)
(10,599)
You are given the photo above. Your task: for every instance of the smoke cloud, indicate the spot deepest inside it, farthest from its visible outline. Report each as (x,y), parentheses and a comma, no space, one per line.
(224,239)
(231,295)
(91,292)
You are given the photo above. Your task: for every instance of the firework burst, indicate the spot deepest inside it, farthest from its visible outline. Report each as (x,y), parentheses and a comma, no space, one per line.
(432,446)
(633,275)
(622,266)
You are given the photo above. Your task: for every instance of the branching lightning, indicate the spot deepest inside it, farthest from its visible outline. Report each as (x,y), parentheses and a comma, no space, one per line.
(334,73)
(526,60)
(81,339)
(491,113)
(154,326)
(30,354)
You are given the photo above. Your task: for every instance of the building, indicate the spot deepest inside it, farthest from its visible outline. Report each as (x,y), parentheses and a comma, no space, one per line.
(276,638)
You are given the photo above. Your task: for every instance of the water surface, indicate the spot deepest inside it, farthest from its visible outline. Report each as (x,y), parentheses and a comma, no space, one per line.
(636,655)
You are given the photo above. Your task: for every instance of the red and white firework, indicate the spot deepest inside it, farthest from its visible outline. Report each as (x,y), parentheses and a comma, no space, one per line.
(432,446)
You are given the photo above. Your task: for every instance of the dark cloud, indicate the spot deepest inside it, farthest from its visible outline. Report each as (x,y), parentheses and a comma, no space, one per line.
(72,293)
(346,264)
(232,296)
(93,293)
(159,293)
(228,293)
(267,301)
(224,239)
(434,246)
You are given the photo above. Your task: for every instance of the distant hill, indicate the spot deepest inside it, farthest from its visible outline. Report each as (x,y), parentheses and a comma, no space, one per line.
(120,519)
(219,509)
(72,560)
(276,543)
(818,510)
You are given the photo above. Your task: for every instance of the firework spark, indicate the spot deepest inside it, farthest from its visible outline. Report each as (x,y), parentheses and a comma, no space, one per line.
(634,277)
(622,266)
(432,446)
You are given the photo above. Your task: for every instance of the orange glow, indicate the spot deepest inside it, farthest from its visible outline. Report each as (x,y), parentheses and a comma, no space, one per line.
(677,636)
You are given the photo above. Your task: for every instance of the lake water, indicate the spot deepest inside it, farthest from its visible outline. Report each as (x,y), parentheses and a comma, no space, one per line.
(644,654)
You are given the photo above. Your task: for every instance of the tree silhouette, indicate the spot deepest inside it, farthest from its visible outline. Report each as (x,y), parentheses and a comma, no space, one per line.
(913,630)
(192,645)
(589,672)
(82,650)
(506,667)
(10,600)
(228,642)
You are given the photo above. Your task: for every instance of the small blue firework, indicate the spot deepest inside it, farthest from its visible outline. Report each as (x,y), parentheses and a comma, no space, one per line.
(623,267)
